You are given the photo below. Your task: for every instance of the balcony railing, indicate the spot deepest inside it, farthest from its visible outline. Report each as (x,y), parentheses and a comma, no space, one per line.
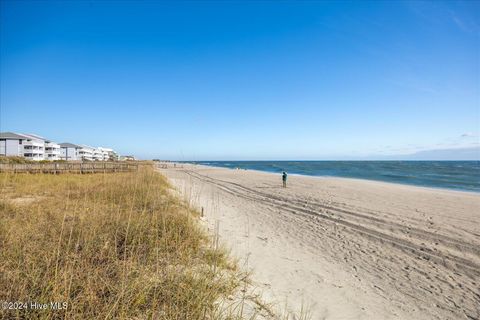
(33,143)
(52,145)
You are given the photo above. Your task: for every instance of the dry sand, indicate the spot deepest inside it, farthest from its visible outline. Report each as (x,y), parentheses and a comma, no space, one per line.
(346,248)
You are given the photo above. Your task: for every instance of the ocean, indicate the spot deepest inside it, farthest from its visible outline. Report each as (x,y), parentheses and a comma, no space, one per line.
(456,175)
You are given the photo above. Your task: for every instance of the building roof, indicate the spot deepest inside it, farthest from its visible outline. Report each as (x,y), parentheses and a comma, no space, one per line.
(69,145)
(34,136)
(12,135)
(23,136)
(87,147)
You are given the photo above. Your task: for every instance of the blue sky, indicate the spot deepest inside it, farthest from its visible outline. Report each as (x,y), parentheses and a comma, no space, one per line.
(243,80)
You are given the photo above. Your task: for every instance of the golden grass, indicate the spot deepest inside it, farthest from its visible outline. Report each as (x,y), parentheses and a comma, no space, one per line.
(110,246)
(23,160)
(14,160)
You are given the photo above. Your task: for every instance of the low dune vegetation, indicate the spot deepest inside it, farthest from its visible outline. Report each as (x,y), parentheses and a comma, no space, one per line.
(22,160)
(14,160)
(110,246)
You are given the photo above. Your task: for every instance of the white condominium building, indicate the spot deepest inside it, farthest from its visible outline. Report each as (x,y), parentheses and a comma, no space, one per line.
(29,146)
(69,151)
(33,147)
(74,152)
(86,153)
(97,154)
(109,154)
(52,150)
(105,155)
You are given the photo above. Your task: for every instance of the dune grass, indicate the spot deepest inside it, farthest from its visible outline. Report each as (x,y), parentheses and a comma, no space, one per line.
(106,246)
(23,160)
(14,160)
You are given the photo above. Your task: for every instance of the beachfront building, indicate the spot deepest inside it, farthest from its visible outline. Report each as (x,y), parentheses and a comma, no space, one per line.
(69,151)
(28,146)
(72,152)
(52,150)
(97,154)
(11,144)
(75,152)
(104,154)
(109,154)
(86,153)
(34,147)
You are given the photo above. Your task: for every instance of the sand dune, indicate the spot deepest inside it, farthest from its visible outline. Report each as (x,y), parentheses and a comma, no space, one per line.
(347,249)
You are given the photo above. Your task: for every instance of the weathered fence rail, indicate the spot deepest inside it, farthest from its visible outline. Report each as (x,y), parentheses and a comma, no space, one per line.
(68,167)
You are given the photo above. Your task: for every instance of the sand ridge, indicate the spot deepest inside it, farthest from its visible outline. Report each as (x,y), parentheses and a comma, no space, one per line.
(347,249)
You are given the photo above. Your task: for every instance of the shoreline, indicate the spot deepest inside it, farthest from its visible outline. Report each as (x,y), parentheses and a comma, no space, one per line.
(431,188)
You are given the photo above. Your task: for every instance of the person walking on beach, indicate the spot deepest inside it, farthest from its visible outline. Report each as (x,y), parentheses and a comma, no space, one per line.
(284,179)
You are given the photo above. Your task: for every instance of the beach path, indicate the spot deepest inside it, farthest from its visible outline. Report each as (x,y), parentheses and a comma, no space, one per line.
(345,248)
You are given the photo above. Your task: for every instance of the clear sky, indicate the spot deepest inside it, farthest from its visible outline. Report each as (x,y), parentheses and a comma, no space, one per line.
(243,80)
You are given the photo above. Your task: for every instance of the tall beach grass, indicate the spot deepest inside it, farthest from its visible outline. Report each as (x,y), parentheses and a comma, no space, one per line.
(106,246)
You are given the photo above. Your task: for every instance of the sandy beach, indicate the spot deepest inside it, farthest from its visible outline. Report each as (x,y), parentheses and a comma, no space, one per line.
(345,248)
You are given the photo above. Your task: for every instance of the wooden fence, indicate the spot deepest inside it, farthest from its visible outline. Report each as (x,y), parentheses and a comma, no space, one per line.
(69,167)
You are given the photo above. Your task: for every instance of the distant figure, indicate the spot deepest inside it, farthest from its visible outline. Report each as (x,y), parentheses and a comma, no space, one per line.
(284,179)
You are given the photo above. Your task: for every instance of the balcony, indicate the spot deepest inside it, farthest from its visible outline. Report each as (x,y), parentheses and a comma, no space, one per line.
(52,157)
(32,156)
(52,151)
(30,148)
(33,151)
(33,143)
(52,145)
